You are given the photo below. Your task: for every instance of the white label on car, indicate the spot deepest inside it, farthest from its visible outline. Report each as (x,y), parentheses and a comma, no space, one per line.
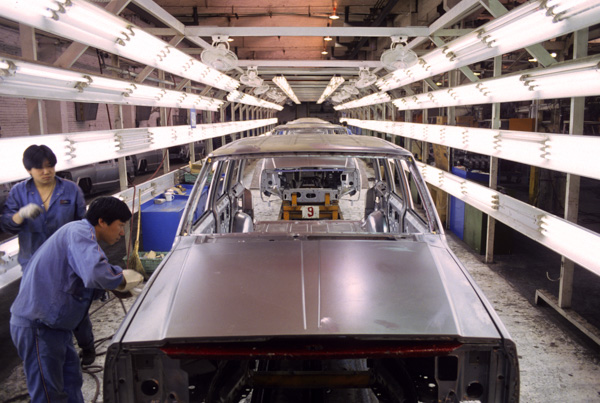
(310,212)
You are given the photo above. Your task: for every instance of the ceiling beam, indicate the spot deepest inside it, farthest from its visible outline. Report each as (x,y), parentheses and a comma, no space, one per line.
(76,49)
(347,32)
(159,13)
(452,16)
(296,31)
(311,63)
(497,9)
(379,21)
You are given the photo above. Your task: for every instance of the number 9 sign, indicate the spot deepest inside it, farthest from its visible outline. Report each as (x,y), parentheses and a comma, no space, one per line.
(310,212)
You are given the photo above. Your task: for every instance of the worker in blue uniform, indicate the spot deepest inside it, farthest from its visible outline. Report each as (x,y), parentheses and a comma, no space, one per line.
(62,278)
(35,209)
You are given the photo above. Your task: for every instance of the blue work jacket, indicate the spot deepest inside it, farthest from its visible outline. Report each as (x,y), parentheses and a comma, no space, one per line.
(62,278)
(67,204)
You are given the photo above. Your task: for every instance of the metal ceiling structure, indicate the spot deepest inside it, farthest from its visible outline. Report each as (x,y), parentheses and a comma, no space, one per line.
(279,43)
(283,39)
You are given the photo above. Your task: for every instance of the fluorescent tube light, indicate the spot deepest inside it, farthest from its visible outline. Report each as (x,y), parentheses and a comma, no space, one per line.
(576,78)
(526,25)
(373,99)
(83,148)
(334,83)
(91,25)
(572,241)
(38,81)
(282,83)
(237,96)
(546,150)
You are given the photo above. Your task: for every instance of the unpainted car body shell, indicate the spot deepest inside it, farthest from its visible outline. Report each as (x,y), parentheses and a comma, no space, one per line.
(319,281)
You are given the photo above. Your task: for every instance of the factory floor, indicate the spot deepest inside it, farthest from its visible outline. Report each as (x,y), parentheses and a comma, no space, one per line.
(557,363)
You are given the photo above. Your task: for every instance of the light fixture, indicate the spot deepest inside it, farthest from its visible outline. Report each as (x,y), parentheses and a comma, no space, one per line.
(328,38)
(91,25)
(324,51)
(238,96)
(373,99)
(334,15)
(575,78)
(282,83)
(526,25)
(398,56)
(334,83)
(570,239)
(230,39)
(566,238)
(83,148)
(38,81)
(546,150)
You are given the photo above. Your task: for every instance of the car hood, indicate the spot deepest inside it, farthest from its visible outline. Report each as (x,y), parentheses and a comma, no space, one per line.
(236,287)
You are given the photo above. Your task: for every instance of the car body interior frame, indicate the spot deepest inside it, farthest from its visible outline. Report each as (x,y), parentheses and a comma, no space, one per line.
(311,268)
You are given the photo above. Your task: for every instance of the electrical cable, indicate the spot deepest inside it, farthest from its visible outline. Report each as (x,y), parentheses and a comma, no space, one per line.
(90,370)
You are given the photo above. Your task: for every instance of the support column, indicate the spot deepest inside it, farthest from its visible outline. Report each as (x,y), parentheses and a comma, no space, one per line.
(224,117)
(118,124)
(207,115)
(383,117)
(253,117)
(192,145)
(424,145)
(35,107)
(493,182)
(247,132)
(163,122)
(565,292)
(408,118)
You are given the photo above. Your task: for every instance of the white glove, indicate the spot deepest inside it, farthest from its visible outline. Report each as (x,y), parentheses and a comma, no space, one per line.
(30,211)
(132,278)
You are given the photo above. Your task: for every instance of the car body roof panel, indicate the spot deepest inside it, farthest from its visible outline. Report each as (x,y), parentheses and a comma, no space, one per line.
(310,144)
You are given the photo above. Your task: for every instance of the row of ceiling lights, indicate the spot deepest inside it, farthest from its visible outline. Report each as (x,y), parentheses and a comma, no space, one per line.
(64,18)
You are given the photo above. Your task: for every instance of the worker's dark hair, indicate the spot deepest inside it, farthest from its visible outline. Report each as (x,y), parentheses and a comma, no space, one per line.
(109,209)
(34,157)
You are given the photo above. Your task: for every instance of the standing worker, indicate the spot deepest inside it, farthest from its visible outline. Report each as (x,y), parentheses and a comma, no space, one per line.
(62,278)
(35,209)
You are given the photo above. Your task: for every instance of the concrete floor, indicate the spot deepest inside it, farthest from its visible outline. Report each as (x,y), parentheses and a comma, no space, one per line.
(557,364)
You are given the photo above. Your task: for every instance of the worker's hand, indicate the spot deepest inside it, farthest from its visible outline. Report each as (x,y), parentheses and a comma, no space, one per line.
(30,211)
(131,278)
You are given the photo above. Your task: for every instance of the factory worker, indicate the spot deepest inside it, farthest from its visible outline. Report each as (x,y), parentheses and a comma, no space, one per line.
(62,278)
(35,209)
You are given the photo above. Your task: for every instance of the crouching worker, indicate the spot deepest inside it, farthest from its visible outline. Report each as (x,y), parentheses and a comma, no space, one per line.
(62,278)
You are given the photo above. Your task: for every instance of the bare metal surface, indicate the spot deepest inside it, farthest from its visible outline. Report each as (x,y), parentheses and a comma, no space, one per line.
(310,143)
